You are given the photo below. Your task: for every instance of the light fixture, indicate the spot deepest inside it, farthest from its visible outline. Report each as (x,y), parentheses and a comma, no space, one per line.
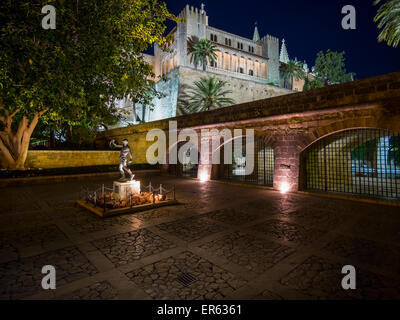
(285,187)
(204,176)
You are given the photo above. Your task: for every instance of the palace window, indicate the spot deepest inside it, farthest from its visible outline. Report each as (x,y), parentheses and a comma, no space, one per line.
(228,42)
(240,45)
(251,73)
(213,37)
(251,49)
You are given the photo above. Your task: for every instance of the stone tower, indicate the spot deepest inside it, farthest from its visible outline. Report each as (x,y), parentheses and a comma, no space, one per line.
(195,24)
(270,48)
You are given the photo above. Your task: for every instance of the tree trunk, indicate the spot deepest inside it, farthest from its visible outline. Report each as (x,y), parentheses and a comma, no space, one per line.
(143,112)
(52,142)
(14,144)
(291,82)
(134,112)
(204,64)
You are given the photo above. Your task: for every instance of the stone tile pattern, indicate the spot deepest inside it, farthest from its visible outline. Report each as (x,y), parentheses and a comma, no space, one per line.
(321,278)
(131,246)
(23,277)
(85,222)
(252,253)
(285,231)
(160,279)
(191,229)
(235,216)
(101,290)
(229,233)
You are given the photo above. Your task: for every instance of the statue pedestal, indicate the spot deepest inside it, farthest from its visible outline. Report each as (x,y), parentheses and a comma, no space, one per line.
(122,189)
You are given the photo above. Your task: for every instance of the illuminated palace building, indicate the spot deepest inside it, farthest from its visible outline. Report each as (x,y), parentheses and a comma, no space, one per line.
(250,68)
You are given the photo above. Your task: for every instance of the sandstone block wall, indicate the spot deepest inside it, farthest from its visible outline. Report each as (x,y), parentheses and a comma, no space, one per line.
(60,158)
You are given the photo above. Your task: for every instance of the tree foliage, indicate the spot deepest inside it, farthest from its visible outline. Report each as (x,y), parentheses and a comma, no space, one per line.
(208,94)
(330,68)
(312,84)
(388,15)
(72,74)
(201,51)
(292,70)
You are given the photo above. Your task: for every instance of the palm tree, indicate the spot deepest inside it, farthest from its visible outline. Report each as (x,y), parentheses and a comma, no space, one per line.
(292,70)
(201,51)
(389,16)
(208,94)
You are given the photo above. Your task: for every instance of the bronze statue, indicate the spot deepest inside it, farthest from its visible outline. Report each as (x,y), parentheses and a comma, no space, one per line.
(125,150)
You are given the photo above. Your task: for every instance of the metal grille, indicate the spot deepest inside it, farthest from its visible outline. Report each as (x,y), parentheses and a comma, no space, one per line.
(186,169)
(263,172)
(186,279)
(363,162)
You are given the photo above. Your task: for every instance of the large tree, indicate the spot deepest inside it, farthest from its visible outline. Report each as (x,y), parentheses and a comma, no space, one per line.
(201,51)
(330,68)
(208,94)
(388,16)
(71,74)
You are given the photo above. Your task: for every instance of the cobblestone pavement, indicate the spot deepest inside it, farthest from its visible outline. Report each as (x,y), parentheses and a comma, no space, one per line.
(221,242)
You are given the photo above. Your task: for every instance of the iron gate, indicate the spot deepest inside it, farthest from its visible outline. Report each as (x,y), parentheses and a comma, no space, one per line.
(186,169)
(364,162)
(263,172)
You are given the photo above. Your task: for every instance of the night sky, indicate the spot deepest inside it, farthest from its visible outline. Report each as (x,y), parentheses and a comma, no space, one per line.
(308,27)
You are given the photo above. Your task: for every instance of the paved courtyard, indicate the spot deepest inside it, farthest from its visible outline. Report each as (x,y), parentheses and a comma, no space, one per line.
(222,242)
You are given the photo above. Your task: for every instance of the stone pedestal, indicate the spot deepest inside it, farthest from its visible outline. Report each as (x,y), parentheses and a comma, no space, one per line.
(122,189)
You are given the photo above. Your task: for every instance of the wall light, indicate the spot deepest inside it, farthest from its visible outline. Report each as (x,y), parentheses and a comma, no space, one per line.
(204,176)
(285,187)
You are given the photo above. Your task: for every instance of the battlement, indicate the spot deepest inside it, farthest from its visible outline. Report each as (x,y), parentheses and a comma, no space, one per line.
(270,38)
(190,11)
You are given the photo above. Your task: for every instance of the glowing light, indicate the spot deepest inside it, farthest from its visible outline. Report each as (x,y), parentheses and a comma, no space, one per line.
(285,187)
(135,186)
(204,176)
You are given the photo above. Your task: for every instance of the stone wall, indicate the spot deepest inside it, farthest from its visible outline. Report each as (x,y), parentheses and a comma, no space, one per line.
(60,158)
(290,123)
(177,88)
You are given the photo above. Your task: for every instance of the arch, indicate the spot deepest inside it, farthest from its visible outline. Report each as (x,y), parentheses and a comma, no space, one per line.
(376,121)
(187,168)
(250,67)
(235,61)
(264,70)
(359,161)
(227,62)
(257,69)
(219,58)
(242,65)
(262,157)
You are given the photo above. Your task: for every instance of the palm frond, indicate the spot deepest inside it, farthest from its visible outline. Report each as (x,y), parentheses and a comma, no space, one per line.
(388,16)
(208,94)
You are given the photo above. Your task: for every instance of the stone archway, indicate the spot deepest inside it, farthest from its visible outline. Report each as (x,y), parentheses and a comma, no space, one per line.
(261,156)
(360,161)
(189,165)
